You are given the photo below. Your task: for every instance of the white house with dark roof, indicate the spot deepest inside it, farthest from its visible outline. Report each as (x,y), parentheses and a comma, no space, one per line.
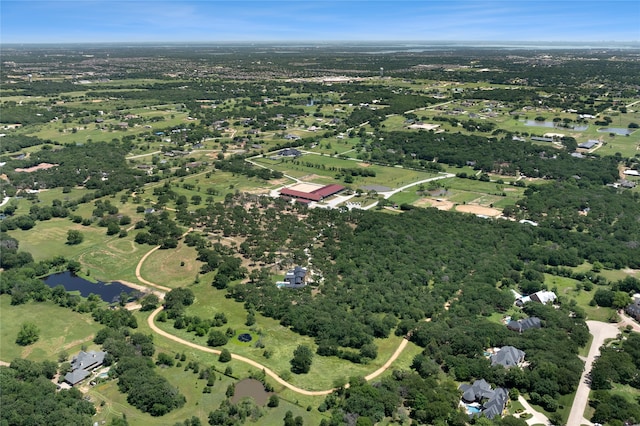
(542,296)
(83,364)
(294,278)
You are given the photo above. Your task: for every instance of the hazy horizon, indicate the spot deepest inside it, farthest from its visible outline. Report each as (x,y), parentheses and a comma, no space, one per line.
(315,21)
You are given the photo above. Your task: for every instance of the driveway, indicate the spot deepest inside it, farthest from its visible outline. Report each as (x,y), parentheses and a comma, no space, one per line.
(600,332)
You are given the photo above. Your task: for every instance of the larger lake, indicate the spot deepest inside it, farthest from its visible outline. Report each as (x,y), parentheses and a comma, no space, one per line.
(109,292)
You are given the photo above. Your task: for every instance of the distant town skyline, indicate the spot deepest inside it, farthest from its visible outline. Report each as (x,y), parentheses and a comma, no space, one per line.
(94,21)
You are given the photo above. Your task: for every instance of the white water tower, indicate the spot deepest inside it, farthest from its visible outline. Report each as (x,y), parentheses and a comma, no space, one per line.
(381,72)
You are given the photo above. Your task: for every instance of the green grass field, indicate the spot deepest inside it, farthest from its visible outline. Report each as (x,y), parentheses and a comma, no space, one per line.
(198,404)
(317,168)
(567,288)
(107,258)
(61,329)
(165,267)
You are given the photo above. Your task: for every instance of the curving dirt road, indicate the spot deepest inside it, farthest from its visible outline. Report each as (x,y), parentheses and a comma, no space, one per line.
(267,370)
(142,280)
(251,362)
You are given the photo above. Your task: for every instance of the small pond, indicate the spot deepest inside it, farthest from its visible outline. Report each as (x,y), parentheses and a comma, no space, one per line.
(245,337)
(560,126)
(617,130)
(549,124)
(250,388)
(109,292)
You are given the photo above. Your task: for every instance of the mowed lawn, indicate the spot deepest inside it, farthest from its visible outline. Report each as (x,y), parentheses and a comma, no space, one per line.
(197,404)
(317,168)
(60,329)
(173,268)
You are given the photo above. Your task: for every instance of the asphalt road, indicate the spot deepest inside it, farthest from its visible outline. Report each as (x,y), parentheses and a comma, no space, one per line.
(600,332)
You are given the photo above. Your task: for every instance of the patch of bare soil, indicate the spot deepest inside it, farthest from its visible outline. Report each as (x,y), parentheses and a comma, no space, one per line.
(311,177)
(438,203)
(487,211)
(278,182)
(41,166)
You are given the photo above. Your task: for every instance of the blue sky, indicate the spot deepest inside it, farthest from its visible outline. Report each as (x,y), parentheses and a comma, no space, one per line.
(61,21)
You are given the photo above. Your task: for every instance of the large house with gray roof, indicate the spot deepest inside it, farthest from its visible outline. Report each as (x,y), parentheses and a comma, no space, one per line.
(524,324)
(508,356)
(492,402)
(83,364)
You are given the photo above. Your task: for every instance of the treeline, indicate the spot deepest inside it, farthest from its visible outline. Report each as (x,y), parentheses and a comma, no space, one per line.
(99,166)
(389,272)
(619,363)
(489,155)
(158,229)
(595,223)
(15,142)
(29,397)
(469,125)
(135,370)
(239,166)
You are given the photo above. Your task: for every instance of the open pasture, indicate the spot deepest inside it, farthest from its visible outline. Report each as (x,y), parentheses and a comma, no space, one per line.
(61,329)
(325,168)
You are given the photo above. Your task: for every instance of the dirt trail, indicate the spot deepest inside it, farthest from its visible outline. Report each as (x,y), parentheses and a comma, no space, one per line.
(139,266)
(251,362)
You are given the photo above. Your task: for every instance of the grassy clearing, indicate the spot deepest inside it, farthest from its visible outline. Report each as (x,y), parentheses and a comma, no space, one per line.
(60,329)
(198,404)
(566,287)
(108,258)
(172,268)
(317,168)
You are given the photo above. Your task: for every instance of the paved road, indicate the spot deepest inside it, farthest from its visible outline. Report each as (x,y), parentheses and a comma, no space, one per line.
(143,155)
(388,194)
(600,331)
(537,417)
(626,320)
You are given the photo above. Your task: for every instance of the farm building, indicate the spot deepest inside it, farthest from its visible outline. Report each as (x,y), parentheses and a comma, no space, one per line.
(588,144)
(311,192)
